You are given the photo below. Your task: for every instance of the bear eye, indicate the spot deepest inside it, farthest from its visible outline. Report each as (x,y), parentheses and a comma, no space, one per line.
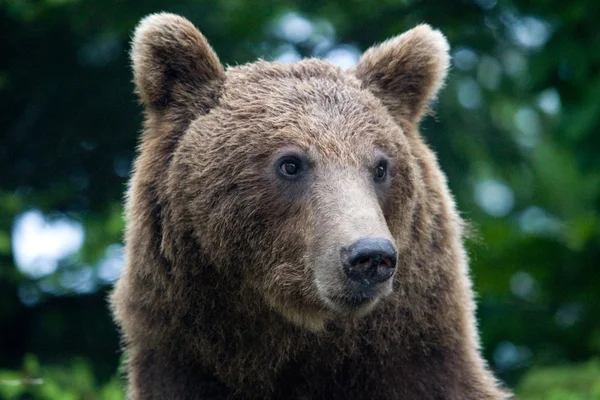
(290,167)
(381,170)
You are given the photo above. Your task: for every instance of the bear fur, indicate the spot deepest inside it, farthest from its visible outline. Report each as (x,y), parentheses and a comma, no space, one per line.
(232,287)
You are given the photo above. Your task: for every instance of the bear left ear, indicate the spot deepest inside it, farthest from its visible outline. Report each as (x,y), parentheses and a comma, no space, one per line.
(173,65)
(406,72)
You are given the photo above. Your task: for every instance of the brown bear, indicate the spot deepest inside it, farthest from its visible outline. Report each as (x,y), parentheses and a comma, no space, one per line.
(289,234)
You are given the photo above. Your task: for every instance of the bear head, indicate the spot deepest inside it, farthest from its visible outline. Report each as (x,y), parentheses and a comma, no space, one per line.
(297,182)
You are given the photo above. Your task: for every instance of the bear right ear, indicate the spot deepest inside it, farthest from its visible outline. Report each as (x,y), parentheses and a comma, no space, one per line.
(173,65)
(406,72)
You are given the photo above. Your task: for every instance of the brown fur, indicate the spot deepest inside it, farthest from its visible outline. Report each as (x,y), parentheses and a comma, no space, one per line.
(232,285)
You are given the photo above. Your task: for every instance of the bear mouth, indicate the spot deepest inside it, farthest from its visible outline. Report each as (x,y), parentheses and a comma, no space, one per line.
(354,299)
(351,303)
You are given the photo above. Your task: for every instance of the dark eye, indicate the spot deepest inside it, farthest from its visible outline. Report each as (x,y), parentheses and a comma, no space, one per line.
(381,171)
(290,167)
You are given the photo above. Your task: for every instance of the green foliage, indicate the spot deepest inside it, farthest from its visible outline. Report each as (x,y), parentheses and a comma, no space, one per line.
(574,382)
(74,381)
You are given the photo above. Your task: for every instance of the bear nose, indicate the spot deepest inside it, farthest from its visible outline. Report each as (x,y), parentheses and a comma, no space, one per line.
(369,261)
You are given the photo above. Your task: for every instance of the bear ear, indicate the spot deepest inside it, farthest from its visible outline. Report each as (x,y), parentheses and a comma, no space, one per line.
(174,65)
(407,71)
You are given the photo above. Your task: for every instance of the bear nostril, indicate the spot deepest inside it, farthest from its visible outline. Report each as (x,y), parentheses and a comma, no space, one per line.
(369,261)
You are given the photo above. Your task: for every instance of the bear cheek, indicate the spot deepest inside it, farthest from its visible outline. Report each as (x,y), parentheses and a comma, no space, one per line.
(275,247)
(285,279)
(400,201)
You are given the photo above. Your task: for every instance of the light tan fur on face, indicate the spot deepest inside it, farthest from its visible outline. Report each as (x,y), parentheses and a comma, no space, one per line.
(348,210)
(228,266)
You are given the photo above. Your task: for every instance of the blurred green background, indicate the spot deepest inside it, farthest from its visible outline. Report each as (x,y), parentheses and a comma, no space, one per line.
(516,132)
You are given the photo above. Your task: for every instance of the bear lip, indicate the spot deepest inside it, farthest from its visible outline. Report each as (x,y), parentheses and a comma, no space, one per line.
(352,302)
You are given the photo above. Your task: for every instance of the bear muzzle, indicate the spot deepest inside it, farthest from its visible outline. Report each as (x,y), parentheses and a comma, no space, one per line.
(368,266)
(369,261)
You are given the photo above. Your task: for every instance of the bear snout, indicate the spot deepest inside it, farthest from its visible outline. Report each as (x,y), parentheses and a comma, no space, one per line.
(369,261)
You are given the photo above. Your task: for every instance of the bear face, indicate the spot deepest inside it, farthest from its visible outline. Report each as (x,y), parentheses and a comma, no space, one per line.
(289,234)
(321,167)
